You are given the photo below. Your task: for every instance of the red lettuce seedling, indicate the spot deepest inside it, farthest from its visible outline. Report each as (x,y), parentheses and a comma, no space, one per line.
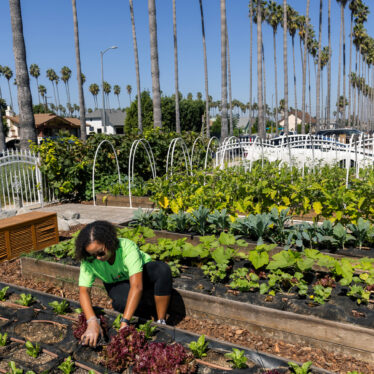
(80,329)
(166,359)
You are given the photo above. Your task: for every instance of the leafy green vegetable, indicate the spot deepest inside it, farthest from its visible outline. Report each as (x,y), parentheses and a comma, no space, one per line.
(3,339)
(25,299)
(67,366)
(32,350)
(199,347)
(3,292)
(59,308)
(304,369)
(237,358)
(13,368)
(148,329)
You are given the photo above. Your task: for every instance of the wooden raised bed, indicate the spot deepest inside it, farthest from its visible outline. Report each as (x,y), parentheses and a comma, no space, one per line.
(120,200)
(27,232)
(291,327)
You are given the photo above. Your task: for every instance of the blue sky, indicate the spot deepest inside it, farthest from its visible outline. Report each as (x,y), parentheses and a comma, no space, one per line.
(48,31)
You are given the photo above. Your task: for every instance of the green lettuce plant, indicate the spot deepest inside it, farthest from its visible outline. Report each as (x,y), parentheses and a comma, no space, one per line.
(148,329)
(199,347)
(67,366)
(303,369)
(3,339)
(237,358)
(32,350)
(25,299)
(3,292)
(59,308)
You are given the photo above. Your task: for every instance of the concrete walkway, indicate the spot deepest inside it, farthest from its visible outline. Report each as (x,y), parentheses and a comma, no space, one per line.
(116,215)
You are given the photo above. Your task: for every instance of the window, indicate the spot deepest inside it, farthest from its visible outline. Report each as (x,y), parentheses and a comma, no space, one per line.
(99,131)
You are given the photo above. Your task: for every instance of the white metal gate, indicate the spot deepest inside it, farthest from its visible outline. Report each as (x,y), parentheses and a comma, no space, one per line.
(21,182)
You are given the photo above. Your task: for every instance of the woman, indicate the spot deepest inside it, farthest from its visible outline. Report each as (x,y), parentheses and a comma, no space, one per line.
(125,272)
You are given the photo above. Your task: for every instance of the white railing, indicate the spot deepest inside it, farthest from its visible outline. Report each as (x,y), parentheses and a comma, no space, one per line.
(21,182)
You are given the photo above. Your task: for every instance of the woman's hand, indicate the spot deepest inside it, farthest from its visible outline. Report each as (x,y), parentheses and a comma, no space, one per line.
(92,333)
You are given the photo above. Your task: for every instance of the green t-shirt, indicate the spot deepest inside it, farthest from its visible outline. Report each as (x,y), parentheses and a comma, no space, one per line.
(129,261)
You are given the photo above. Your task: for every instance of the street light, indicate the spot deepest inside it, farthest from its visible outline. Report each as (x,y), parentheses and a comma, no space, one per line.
(102,86)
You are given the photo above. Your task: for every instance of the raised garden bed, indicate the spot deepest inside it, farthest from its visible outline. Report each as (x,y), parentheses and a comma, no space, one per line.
(65,346)
(347,329)
(120,200)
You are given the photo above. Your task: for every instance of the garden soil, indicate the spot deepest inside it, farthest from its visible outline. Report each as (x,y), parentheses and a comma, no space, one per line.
(10,272)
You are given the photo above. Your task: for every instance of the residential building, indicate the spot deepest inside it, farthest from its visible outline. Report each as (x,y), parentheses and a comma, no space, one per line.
(114,121)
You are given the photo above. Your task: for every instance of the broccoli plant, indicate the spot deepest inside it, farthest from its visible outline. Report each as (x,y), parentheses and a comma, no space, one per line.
(3,339)
(303,369)
(148,329)
(25,299)
(3,293)
(32,350)
(199,347)
(59,308)
(237,358)
(67,366)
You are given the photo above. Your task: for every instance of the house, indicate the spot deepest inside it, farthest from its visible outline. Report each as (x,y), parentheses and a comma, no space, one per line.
(47,125)
(295,118)
(115,121)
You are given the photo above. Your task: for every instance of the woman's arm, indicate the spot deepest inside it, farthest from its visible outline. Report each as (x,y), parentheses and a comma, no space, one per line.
(85,301)
(134,296)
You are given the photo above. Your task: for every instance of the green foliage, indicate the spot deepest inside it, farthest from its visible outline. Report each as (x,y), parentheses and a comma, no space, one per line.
(243,280)
(67,366)
(199,347)
(32,350)
(215,272)
(3,339)
(237,358)
(3,292)
(25,299)
(321,294)
(303,369)
(179,222)
(219,221)
(59,308)
(359,293)
(199,220)
(340,236)
(360,231)
(259,256)
(148,329)
(117,322)
(13,368)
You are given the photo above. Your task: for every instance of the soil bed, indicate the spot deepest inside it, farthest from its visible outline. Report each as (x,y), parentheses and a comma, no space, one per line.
(10,272)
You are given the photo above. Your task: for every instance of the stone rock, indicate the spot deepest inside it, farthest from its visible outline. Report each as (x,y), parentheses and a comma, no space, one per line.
(62,224)
(70,214)
(23,210)
(7,213)
(73,222)
(85,221)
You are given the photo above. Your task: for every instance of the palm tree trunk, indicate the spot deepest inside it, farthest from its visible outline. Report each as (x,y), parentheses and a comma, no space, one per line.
(177,116)
(224,125)
(250,67)
(343,31)
(156,92)
(82,107)
(26,116)
(260,117)
(328,105)
(264,88)
(285,66)
(135,44)
(350,72)
(207,117)
(2,135)
(340,58)
(310,97)
(119,104)
(37,89)
(294,74)
(318,83)
(304,66)
(231,130)
(276,82)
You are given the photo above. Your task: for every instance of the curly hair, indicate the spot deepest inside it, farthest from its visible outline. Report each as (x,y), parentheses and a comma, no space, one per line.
(102,231)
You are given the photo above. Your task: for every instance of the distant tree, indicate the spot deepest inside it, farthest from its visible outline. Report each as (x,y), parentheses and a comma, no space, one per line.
(129,90)
(3,126)
(35,72)
(117,91)
(51,75)
(65,76)
(94,90)
(107,88)
(8,74)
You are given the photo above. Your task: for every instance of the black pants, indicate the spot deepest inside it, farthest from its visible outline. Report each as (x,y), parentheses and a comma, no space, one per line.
(157,280)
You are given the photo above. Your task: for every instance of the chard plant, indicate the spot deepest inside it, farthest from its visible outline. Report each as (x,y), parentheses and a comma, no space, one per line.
(13,368)
(25,299)
(67,366)
(3,292)
(237,358)
(148,329)
(32,350)
(59,308)
(303,369)
(3,339)
(199,347)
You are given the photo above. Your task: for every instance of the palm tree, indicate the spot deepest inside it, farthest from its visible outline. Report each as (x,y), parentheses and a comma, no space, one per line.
(318,84)
(306,35)
(107,88)
(57,79)
(26,116)
(328,109)
(35,72)
(65,76)
(8,74)
(42,91)
(224,124)
(250,66)
(117,91)
(231,128)
(135,44)
(51,74)
(261,125)
(292,24)
(129,90)
(285,66)
(207,100)
(156,92)
(2,134)
(176,78)
(1,73)
(94,90)
(274,17)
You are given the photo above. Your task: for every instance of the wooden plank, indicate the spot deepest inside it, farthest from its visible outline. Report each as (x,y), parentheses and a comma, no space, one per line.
(22,218)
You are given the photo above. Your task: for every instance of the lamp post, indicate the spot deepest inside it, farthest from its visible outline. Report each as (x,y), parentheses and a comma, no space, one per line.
(102,86)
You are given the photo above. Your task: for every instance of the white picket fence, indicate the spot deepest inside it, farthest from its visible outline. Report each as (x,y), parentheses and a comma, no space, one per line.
(21,181)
